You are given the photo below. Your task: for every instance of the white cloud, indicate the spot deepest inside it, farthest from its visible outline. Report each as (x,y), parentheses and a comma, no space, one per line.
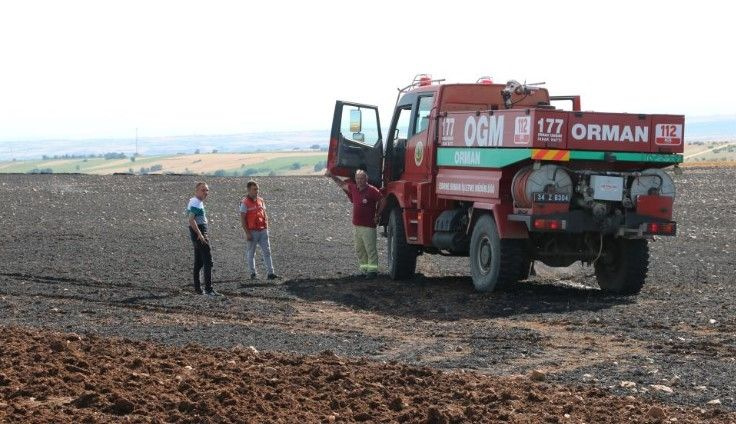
(92,68)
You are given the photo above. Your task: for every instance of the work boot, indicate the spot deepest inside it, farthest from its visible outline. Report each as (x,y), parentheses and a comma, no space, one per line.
(198,290)
(371,275)
(273,276)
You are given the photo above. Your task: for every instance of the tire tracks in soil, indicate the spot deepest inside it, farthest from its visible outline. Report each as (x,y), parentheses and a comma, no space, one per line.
(563,349)
(567,349)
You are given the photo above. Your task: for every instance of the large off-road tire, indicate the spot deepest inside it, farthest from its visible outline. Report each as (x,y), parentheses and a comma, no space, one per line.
(622,267)
(402,257)
(494,262)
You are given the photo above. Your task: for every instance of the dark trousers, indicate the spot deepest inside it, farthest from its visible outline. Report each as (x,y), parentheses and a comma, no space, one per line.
(202,259)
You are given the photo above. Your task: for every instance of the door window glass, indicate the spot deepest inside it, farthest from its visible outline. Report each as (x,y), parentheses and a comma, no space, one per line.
(422,118)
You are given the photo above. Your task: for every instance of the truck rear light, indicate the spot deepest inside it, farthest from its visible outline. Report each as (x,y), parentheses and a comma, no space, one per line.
(550,224)
(667,228)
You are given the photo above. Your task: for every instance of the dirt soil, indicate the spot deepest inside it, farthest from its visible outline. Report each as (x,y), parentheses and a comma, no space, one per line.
(92,379)
(109,256)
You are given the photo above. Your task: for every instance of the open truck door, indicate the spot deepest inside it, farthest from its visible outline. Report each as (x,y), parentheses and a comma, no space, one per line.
(356,142)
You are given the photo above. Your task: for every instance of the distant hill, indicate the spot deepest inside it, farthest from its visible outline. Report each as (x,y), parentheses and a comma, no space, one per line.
(151,146)
(708,128)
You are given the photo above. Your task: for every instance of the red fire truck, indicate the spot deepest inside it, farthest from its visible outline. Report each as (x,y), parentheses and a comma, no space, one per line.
(498,173)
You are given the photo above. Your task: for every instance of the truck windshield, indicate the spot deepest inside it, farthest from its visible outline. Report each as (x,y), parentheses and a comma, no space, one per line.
(402,123)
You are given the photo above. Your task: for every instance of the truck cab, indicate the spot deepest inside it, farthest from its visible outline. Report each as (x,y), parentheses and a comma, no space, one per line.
(498,173)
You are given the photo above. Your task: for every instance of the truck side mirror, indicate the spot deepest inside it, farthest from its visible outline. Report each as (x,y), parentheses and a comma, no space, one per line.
(356,120)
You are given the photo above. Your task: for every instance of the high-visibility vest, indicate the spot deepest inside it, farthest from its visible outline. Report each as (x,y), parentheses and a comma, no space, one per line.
(255,215)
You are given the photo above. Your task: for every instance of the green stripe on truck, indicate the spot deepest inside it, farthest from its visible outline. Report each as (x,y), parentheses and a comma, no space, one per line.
(626,156)
(480,157)
(494,157)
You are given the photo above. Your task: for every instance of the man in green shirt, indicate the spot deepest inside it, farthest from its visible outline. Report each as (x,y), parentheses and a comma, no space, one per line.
(198,233)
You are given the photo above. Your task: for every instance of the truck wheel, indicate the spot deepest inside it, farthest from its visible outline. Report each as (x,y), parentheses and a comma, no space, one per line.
(622,269)
(402,257)
(493,262)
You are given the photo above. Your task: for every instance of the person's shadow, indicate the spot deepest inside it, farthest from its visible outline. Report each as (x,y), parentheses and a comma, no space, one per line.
(452,298)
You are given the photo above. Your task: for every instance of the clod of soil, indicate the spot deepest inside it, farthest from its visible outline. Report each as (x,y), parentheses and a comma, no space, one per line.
(236,385)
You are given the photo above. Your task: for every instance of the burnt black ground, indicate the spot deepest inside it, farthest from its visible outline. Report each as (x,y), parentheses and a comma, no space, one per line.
(110,255)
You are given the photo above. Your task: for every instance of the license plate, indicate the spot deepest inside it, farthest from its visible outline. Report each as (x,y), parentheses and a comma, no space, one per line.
(551,198)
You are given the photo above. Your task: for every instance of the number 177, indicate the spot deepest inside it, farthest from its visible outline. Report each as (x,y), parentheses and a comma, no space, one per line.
(551,122)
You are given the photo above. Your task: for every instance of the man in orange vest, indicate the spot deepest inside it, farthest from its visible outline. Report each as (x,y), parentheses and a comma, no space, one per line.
(254,220)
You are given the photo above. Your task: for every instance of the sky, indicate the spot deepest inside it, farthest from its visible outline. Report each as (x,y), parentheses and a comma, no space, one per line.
(85,69)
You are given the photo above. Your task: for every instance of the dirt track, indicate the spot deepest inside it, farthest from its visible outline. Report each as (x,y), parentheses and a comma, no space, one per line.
(110,256)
